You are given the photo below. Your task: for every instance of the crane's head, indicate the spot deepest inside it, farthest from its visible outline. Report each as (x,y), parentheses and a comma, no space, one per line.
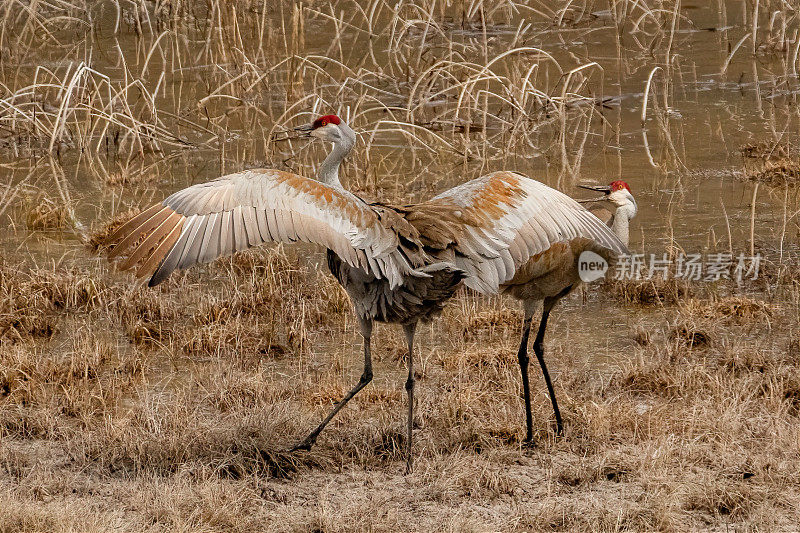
(617,193)
(330,128)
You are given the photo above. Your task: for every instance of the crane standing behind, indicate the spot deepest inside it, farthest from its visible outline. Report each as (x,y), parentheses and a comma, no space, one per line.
(544,279)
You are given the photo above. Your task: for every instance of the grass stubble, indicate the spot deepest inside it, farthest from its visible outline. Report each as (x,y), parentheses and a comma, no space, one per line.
(124,408)
(173,410)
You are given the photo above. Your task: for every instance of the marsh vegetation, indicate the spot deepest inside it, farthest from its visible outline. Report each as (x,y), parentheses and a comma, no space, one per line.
(171,409)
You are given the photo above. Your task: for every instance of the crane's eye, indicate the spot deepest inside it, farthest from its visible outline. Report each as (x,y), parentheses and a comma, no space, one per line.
(323,123)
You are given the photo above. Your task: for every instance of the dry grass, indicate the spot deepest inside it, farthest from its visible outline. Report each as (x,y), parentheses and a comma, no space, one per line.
(45,214)
(187,425)
(765,151)
(125,408)
(737,309)
(654,291)
(29,300)
(772,163)
(784,173)
(100,235)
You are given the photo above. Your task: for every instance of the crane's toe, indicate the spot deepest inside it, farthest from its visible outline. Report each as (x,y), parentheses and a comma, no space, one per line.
(302,446)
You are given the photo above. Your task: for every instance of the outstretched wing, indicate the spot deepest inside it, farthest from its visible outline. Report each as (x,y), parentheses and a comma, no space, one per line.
(506,219)
(605,216)
(234,212)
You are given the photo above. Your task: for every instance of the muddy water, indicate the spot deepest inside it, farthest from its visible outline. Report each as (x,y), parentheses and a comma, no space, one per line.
(682,165)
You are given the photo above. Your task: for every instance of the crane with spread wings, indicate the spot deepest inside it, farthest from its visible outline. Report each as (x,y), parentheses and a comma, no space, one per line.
(398,264)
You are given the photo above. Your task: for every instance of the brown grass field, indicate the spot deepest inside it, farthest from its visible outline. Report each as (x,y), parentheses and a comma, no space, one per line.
(124,408)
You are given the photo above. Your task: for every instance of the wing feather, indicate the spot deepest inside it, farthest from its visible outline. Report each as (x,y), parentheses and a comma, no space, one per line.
(286,225)
(137,231)
(152,240)
(239,233)
(273,226)
(263,227)
(192,249)
(162,249)
(210,247)
(251,226)
(208,220)
(130,226)
(171,261)
(226,233)
(504,219)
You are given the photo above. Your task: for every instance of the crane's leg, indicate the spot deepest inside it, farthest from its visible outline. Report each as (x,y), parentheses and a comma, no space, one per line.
(409,330)
(366,377)
(522,357)
(538,349)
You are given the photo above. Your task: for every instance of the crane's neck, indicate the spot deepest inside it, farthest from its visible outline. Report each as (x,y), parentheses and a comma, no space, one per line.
(328,172)
(621,224)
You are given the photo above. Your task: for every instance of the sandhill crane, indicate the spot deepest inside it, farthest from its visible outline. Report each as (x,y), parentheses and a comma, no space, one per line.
(397,264)
(533,272)
(553,275)
(619,195)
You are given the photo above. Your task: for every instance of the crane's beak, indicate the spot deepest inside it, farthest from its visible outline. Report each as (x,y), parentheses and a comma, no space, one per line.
(305,130)
(599,188)
(605,189)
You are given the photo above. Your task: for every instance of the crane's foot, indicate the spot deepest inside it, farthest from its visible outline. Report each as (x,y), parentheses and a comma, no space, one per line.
(529,443)
(305,445)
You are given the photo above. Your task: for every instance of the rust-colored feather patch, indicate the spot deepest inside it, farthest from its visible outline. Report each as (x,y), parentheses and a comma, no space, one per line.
(128,227)
(327,197)
(502,190)
(149,266)
(137,232)
(152,238)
